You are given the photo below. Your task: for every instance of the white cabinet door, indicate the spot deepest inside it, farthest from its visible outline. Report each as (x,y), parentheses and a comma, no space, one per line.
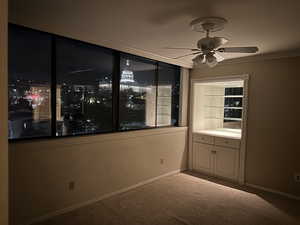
(202,157)
(226,162)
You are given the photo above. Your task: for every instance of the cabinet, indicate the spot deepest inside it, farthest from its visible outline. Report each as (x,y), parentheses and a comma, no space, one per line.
(226,162)
(202,157)
(216,156)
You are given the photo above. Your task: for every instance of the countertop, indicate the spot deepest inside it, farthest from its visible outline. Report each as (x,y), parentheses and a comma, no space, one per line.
(222,132)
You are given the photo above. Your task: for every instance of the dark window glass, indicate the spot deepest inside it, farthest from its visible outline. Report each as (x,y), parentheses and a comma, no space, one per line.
(148,96)
(168,95)
(233,113)
(234,91)
(29,68)
(137,106)
(233,102)
(84,88)
(233,107)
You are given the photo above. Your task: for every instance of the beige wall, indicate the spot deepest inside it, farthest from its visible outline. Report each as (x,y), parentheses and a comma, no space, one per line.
(100,164)
(3,115)
(273,120)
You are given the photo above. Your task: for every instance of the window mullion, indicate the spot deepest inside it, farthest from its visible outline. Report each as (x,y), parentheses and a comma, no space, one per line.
(116,90)
(156,97)
(53,87)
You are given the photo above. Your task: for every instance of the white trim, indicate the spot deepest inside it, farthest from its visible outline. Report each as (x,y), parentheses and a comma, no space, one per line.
(220,78)
(89,202)
(273,191)
(262,57)
(190,145)
(245,78)
(183,97)
(243,150)
(180,117)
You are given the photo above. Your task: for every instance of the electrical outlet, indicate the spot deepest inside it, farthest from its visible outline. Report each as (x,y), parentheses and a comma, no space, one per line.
(297,177)
(162,161)
(71,185)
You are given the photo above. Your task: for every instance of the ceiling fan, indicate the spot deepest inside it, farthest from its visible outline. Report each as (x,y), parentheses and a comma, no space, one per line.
(208,47)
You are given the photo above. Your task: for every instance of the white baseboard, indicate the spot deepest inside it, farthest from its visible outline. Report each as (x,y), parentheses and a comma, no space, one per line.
(80,205)
(273,191)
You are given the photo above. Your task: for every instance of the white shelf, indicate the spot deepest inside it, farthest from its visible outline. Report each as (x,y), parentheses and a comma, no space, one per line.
(222,132)
(233,119)
(226,96)
(225,107)
(224,118)
(233,96)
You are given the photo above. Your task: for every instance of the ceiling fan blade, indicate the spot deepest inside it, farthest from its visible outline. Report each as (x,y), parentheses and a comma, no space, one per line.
(238,49)
(178,57)
(219,41)
(219,57)
(191,49)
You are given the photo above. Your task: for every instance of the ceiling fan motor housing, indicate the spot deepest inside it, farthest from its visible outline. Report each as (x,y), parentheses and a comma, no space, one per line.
(207,44)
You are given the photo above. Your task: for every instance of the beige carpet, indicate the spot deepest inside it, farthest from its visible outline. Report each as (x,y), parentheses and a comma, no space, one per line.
(186,199)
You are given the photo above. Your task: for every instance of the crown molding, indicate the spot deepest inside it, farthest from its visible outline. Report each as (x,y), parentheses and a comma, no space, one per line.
(257,58)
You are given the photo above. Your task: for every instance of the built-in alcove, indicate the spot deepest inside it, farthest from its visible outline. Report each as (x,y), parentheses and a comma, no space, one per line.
(218,126)
(218,107)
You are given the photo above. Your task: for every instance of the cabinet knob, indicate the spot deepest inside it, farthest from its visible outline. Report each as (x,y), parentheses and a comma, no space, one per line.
(213,152)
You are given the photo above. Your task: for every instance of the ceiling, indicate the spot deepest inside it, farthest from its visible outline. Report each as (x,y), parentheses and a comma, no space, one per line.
(147,27)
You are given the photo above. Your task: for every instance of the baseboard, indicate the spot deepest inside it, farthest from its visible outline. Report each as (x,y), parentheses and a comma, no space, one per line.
(273,191)
(80,205)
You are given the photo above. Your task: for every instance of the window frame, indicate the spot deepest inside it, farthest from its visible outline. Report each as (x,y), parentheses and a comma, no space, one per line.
(116,75)
(233,119)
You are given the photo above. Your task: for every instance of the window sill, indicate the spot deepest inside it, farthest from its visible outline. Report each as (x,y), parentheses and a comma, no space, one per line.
(97,138)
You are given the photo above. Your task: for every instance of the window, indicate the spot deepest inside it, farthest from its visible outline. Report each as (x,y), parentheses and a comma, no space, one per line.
(61,87)
(168,95)
(29,94)
(233,107)
(84,88)
(137,93)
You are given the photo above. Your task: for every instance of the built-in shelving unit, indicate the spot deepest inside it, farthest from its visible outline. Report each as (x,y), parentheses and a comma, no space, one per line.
(217,122)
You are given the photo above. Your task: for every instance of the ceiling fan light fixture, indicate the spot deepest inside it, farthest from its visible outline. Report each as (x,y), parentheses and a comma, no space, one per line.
(211,60)
(208,47)
(199,59)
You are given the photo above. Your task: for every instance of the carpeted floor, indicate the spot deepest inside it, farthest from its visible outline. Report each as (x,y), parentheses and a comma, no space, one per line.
(186,199)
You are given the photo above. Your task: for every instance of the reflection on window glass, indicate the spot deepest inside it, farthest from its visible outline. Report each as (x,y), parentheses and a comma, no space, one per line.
(29,101)
(137,106)
(168,95)
(233,113)
(233,102)
(84,88)
(148,96)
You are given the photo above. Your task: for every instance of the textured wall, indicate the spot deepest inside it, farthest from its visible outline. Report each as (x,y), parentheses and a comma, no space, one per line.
(273,120)
(101,164)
